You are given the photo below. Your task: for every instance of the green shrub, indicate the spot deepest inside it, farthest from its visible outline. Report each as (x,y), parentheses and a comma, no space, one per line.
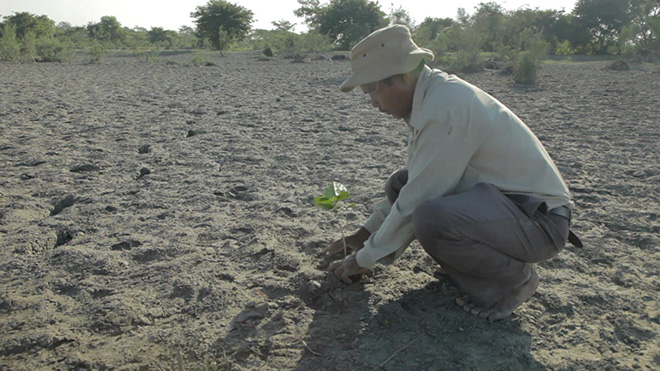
(525,69)
(564,48)
(10,49)
(532,48)
(199,60)
(96,52)
(299,46)
(439,46)
(29,47)
(268,51)
(534,43)
(468,43)
(53,50)
(146,55)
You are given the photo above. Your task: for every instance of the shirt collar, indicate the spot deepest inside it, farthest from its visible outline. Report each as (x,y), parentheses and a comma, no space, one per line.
(420,93)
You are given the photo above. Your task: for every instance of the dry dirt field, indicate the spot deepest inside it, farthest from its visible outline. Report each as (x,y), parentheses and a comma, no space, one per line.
(161,216)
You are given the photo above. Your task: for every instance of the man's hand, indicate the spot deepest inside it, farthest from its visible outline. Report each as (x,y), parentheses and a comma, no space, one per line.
(347,267)
(351,243)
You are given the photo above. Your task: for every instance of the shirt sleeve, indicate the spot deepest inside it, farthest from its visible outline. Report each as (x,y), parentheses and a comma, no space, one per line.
(440,151)
(381,210)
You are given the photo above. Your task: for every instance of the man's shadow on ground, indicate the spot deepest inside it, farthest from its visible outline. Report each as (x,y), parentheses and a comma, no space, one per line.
(422,330)
(348,328)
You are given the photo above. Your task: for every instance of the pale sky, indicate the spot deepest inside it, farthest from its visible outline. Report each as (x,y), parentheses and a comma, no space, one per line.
(172,14)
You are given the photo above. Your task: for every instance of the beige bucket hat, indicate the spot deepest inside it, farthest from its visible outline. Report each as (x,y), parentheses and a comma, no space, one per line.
(386,52)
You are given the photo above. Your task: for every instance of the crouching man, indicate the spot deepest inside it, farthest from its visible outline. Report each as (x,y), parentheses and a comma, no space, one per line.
(478,190)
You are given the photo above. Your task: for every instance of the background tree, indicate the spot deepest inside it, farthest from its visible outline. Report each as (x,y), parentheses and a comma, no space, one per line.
(544,22)
(432,34)
(603,20)
(571,35)
(25,22)
(462,16)
(107,30)
(345,21)
(188,38)
(283,25)
(63,26)
(468,43)
(162,37)
(487,21)
(311,11)
(10,48)
(430,28)
(77,35)
(644,30)
(223,23)
(401,16)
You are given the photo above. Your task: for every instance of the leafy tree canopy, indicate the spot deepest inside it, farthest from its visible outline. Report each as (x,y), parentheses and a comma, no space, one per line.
(546,22)
(401,16)
(26,22)
(108,29)
(161,36)
(644,29)
(430,28)
(345,21)
(283,25)
(222,22)
(603,19)
(487,20)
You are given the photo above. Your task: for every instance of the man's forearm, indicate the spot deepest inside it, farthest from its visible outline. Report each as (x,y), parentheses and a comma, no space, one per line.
(362,234)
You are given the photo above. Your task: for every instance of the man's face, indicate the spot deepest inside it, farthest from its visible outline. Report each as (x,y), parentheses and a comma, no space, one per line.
(392,95)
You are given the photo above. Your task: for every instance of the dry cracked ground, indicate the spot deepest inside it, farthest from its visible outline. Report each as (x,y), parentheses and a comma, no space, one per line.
(159,215)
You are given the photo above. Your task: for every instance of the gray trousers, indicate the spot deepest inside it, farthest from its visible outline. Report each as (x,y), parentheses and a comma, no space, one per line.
(483,239)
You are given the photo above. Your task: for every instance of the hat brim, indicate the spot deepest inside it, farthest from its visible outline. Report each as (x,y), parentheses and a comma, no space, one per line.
(377,74)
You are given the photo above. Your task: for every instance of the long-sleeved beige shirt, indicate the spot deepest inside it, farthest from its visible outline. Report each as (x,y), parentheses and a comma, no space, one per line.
(459,137)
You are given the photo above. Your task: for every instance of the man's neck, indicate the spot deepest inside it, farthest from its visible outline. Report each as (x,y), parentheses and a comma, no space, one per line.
(413,86)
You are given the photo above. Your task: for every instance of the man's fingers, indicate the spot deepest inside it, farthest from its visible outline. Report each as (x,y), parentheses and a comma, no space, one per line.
(340,271)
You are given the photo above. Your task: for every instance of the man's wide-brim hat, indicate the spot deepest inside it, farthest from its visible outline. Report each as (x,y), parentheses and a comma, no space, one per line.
(386,52)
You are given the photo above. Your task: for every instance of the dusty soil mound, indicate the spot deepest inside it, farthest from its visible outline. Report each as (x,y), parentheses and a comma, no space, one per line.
(153,213)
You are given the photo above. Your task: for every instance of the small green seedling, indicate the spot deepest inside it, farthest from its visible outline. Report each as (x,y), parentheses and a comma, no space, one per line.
(334,195)
(333,200)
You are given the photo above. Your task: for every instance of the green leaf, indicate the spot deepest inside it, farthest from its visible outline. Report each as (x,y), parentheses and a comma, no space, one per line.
(335,189)
(334,194)
(343,195)
(324,202)
(330,191)
(339,188)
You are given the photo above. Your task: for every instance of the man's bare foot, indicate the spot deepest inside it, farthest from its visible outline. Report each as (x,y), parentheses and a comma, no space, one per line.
(506,305)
